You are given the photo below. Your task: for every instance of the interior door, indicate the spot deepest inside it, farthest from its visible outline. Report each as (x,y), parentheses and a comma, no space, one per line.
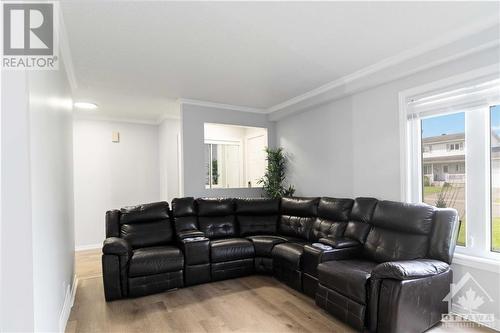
(232,166)
(256,158)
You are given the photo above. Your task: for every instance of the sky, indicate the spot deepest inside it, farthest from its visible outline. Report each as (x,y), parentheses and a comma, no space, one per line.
(454,123)
(495,119)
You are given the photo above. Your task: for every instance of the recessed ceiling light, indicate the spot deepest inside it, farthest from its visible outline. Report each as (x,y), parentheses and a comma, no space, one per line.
(85,105)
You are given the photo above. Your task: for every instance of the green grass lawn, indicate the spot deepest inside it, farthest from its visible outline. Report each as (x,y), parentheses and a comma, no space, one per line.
(495,231)
(432,189)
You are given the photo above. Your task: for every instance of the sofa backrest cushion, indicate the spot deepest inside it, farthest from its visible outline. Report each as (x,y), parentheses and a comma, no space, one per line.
(362,209)
(444,233)
(333,215)
(298,216)
(146,225)
(257,225)
(185,214)
(257,206)
(216,217)
(360,219)
(405,217)
(323,228)
(335,209)
(215,206)
(257,216)
(297,206)
(400,231)
(388,245)
(218,226)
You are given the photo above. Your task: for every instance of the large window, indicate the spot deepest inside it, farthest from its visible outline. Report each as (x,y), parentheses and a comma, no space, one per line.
(234,155)
(495,177)
(444,186)
(453,158)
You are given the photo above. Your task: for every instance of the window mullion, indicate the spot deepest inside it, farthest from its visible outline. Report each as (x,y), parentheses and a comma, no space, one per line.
(476,185)
(210,165)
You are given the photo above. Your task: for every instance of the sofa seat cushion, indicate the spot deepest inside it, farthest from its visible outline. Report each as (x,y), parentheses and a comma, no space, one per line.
(264,244)
(348,277)
(155,260)
(231,249)
(289,254)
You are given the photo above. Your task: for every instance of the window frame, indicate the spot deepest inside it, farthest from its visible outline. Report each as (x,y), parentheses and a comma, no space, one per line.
(490,181)
(411,165)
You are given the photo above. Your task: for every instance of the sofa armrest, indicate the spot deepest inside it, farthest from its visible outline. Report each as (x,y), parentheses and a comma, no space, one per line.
(190,233)
(116,255)
(340,243)
(196,252)
(313,256)
(409,269)
(116,246)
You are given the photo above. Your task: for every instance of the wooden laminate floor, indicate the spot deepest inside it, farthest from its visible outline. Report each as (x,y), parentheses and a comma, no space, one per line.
(250,304)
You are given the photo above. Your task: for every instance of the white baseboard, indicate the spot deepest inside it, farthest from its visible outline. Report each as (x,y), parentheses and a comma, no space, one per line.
(88,247)
(69,300)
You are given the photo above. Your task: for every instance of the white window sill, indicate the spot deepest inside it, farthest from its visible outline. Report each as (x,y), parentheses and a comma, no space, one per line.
(231,188)
(487,264)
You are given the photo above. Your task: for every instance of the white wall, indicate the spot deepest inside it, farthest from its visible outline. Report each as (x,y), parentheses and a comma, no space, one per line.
(319,147)
(193,118)
(169,158)
(111,175)
(37,202)
(17,247)
(353,143)
(51,144)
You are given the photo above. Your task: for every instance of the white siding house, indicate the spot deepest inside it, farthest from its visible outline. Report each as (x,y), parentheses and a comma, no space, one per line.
(444,159)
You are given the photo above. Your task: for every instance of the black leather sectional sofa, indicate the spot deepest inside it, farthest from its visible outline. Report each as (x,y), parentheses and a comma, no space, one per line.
(386,268)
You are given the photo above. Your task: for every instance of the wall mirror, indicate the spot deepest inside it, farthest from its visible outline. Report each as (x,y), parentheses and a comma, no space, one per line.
(235,156)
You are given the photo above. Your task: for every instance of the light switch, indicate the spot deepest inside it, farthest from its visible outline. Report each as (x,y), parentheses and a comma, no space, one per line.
(115,137)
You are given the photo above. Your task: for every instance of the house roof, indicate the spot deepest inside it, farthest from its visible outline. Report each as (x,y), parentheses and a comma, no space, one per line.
(444,137)
(495,152)
(436,159)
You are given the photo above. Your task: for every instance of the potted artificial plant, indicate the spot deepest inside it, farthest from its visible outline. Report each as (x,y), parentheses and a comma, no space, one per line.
(273,181)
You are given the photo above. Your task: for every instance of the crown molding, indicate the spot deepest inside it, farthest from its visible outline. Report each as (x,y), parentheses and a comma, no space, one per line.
(95,117)
(187,101)
(460,43)
(65,53)
(167,117)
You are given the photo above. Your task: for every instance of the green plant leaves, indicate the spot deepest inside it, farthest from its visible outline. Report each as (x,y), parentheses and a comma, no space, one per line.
(274,177)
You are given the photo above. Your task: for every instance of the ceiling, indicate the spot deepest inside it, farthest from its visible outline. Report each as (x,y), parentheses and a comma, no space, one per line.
(135,58)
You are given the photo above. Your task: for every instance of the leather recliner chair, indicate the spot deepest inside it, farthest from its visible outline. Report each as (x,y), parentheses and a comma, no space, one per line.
(230,255)
(140,255)
(258,221)
(398,279)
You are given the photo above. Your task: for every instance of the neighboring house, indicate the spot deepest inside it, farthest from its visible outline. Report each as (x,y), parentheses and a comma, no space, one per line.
(444,158)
